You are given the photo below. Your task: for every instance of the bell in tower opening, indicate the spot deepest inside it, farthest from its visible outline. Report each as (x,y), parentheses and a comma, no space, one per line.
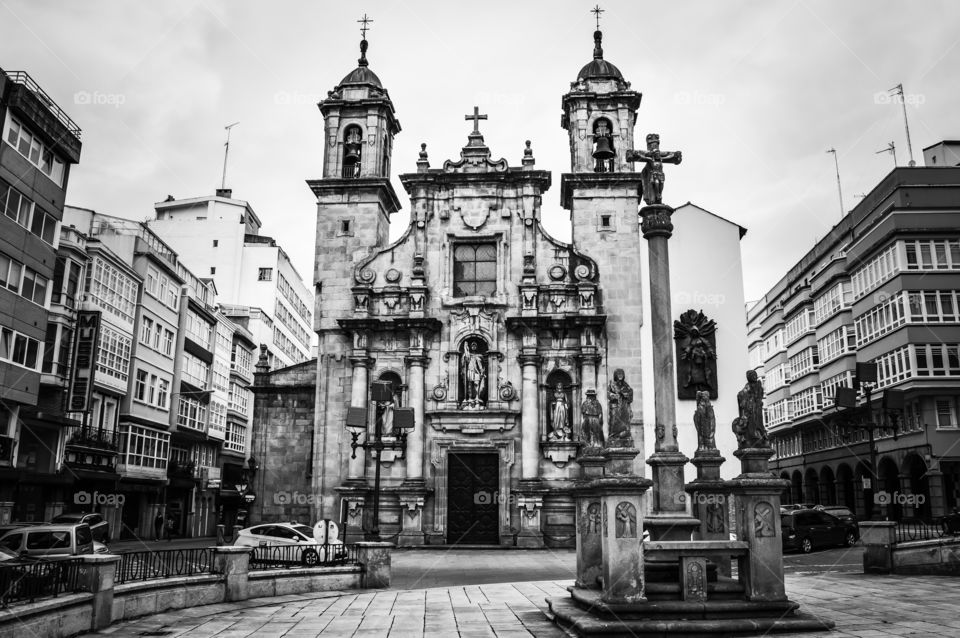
(352,146)
(603,151)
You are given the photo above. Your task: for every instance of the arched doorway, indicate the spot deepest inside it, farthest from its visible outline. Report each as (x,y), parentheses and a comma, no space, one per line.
(846,495)
(811,486)
(889,484)
(797,487)
(828,488)
(917,487)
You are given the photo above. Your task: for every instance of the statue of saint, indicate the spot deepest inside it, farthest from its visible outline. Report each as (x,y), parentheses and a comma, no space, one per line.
(749,425)
(620,398)
(706,422)
(474,375)
(591,413)
(559,414)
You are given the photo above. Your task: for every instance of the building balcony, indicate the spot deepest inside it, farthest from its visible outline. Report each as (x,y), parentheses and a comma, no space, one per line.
(182,470)
(91,449)
(6,450)
(29,100)
(89,438)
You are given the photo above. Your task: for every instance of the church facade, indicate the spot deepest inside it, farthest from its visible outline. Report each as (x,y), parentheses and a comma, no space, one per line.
(494,340)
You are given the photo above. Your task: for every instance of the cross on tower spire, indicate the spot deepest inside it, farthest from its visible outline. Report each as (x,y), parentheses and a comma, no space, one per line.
(364,21)
(476,117)
(597,11)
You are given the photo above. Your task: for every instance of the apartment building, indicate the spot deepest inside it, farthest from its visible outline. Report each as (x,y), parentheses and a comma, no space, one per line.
(40,143)
(881,288)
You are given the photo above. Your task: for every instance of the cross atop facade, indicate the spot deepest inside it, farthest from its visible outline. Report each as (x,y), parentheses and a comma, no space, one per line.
(364,21)
(476,117)
(597,11)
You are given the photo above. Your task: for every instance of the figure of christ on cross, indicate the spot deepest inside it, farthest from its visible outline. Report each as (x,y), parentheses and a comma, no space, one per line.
(654,159)
(476,117)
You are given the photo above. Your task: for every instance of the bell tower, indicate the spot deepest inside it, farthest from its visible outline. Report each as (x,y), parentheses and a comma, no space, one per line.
(354,197)
(602,193)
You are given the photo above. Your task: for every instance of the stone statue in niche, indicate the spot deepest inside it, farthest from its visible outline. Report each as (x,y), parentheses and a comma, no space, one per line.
(748,427)
(715,518)
(560,415)
(473,365)
(593,518)
(620,398)
(696,354)
(626,520)
(706,423)
(591,419)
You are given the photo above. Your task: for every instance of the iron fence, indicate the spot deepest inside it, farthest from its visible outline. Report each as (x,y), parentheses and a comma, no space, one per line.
(27,581)
(148,565)
(280,556)
(911,529)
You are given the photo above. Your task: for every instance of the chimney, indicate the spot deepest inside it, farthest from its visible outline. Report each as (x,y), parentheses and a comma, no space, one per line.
(225,192)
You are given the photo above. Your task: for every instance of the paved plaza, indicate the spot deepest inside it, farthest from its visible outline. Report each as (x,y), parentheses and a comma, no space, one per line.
(860,605)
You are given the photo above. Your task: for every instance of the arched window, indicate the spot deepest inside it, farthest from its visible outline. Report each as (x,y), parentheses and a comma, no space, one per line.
(352,150)
(558,406)
(473,374)
(384,409)
(604,152)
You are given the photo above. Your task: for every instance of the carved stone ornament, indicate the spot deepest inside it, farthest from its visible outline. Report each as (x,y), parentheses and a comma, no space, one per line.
(439,392)
(696,354)
(557,272)
(593,519)
(748,427)
(506,391)
(715,524)
(474,214)
(655,220)
(626,520)
(392,275)
(763,524)
(366,276)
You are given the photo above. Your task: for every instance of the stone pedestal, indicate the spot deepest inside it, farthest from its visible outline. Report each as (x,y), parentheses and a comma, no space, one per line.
(531,510)
(621,514)
(589,541)
(411,517)
(878,538)
(669,520)
(620,459)
(710,502)
(375,558)
(592,465)
(757,494)
(100,570)
(233,562)
(354,507)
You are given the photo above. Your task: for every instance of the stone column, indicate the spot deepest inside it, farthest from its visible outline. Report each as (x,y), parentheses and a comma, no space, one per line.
(234,563)
(358,399)
(100,570)
(415,440)
(669,520)
(530,420)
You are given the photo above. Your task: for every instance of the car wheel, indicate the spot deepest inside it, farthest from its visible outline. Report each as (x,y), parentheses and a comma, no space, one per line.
(851,539)
(806,546)
(310,557)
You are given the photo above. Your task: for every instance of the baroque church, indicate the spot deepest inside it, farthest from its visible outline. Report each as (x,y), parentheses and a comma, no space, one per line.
(468,355)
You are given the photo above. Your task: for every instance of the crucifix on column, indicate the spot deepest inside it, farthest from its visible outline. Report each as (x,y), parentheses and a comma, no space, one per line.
(654,159)
(476,117)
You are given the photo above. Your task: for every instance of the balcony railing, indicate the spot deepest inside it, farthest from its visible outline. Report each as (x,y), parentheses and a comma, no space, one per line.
(91,438)
(182,470)
(23,78)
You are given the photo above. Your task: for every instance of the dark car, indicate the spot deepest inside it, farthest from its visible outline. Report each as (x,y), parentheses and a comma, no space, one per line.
(806,529)
(99,527)
(841,512)
(796,506)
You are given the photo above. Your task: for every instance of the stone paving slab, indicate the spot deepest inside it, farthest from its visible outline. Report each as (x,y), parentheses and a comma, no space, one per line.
(865,606)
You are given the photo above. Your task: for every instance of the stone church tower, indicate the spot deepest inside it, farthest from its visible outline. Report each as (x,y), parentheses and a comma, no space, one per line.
(490,333)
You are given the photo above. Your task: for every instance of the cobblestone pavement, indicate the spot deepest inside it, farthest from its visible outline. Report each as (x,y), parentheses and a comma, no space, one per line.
(865,606)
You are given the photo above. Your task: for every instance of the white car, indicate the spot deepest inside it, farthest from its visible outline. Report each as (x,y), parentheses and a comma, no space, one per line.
(293,542)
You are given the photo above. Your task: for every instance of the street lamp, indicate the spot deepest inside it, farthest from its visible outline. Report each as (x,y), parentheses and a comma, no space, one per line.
(846,399)
(402,423)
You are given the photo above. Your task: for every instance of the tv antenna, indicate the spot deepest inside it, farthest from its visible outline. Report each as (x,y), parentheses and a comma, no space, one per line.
(226,152)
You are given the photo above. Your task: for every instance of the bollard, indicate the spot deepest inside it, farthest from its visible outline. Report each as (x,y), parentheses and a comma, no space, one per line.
(375,559)
(99,572)
(220,535)
(234,563)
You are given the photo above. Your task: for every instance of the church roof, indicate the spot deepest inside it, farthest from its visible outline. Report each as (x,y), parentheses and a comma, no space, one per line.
(362,74)
(598,68)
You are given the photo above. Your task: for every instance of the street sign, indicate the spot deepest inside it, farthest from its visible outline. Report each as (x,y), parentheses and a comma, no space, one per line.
(84,361)
(249,498)
(866,483)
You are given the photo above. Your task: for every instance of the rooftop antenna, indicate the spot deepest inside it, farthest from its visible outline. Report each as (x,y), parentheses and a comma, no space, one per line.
(892,149)
(898,90)
(836,164)
(226,152)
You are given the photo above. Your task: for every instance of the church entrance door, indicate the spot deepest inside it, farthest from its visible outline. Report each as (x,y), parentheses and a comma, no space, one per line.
(473,505)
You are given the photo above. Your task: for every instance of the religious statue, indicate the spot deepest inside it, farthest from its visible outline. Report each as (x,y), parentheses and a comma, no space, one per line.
(474,371)
(706,423)
(620,398)
(748,427)
(652,174)
(559,415)
(696,354)
(626,520)
(591,419)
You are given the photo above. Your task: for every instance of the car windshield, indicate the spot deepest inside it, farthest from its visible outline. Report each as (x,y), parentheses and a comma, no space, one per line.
(303,529)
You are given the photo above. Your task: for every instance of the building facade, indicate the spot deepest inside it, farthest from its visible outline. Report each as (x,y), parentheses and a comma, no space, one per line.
(487,331)
(40,143)
(219,237)
(880,288)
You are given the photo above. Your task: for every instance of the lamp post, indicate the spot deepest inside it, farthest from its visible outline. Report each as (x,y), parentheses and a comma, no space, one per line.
(402,422)
(846,399)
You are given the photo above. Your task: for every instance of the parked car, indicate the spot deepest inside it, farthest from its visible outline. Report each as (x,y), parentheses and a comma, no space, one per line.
(294,535)
(841,512)
(797,506)
(9,527)
(52,540)
(806,529)
(99,526)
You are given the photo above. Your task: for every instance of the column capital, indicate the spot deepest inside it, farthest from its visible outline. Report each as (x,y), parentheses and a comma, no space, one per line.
(362,361)
(655,221)
(416,360)
(528,359)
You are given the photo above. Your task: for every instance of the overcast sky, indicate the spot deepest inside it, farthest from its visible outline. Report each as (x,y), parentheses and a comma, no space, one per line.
(753,93)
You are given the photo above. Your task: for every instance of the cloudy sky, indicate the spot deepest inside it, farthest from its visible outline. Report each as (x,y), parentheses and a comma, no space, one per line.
(753,93)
